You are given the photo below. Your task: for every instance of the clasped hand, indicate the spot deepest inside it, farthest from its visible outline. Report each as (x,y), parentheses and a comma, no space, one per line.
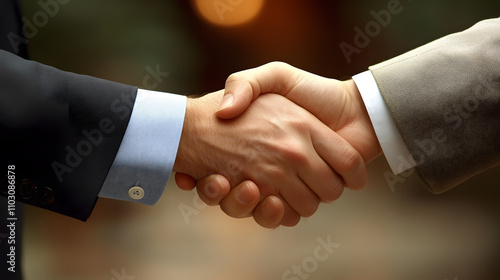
(303,139)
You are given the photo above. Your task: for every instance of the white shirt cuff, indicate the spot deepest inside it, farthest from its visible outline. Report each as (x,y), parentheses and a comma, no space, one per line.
(395,150)
(147,153)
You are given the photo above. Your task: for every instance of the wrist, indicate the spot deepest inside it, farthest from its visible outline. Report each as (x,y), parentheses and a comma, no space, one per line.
(185,153)
(200,136)
(361,114)
(358,106)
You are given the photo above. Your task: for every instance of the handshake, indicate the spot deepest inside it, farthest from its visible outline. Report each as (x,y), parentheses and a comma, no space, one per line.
(275,143)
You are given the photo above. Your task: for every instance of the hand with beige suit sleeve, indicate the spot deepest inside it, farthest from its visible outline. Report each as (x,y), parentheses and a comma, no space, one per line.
(444,98)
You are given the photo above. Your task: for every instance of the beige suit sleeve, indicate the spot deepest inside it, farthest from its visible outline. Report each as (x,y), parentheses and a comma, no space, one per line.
(445,100)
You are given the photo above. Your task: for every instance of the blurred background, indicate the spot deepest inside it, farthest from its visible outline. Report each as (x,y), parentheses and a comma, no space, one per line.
(394,229)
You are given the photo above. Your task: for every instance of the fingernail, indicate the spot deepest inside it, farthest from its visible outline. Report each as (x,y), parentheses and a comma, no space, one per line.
(272,212)
(226,101)
(211,191)
(244,195)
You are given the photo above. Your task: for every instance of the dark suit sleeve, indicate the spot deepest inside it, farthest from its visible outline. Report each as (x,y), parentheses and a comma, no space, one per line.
(61,131)
(445,100)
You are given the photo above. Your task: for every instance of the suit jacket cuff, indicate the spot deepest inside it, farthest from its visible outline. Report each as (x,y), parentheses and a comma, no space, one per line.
(444,98)
(395,150)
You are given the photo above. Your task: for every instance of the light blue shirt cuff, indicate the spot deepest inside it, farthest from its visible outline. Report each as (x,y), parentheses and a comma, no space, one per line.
(148,149)
(395,150)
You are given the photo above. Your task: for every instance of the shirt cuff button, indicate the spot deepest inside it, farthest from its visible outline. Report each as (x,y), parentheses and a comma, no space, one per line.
(136,192)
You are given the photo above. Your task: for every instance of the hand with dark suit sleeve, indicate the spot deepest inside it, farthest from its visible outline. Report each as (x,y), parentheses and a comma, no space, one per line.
(442,101)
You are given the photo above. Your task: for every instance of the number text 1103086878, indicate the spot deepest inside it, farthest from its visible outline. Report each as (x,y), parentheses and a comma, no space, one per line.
(11,219)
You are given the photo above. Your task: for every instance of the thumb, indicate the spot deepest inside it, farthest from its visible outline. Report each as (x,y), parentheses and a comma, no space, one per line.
(238,95)
(245,86)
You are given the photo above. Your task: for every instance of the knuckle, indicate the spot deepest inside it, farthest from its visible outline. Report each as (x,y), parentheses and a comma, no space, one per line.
(277,172)
(233,77)
(228,210)
(361,182)
(302,122)
(207,200)
(334,192)
(350,159)
(295,154)
(291,221)
(278,64)
(311,209)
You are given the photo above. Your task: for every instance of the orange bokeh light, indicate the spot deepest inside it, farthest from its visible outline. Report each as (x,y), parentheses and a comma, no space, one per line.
(228,12)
